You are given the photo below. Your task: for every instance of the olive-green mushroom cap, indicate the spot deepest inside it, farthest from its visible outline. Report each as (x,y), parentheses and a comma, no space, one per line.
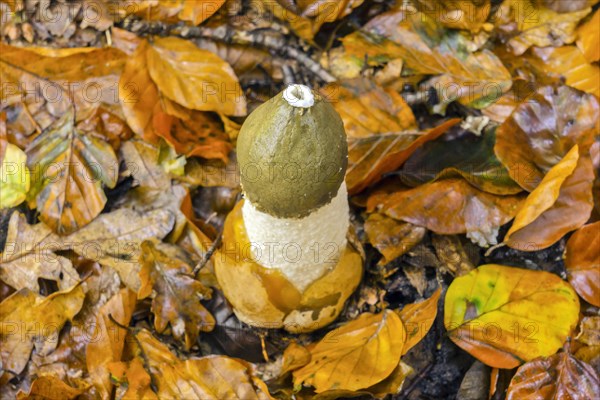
(292,158)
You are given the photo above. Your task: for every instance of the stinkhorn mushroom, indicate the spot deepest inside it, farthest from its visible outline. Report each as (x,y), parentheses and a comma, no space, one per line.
(285,260)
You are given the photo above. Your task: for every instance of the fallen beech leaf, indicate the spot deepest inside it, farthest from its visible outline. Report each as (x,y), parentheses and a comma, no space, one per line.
(560,376)
(50,388)
(14,175)
(355,356)
(199,10)
(589,331)
(562,202)
(211,377)
(294,357)
(68,172)
(476,79)
(195,11)
(371,157)
(500,314)
(469,14)
(567,64)
(28,255)
(470,157)
(418,319)
(543,129)
(195,78)
(537,25)
(454,255)
(582,259)
(110,339)
(28,319)
(178,295)
(390,237)
(589,38)
(452,206)
(368,109)
(135,377)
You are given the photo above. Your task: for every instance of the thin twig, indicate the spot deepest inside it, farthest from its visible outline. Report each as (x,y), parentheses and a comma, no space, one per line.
(213,247)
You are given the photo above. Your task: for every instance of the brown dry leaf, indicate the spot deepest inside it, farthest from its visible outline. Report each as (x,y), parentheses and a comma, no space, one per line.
(567,64)
(476,79)
(198,11)
(110,339)
(371,157)
(294,357)
(589,38)
(49,388)
(194,78)
(178,295)
(193,11)
(529,24)
(543,129)
(560,376)
(452,254)
(452,206)
(359,354)
(582,259)
(37,319)
(418,319)
(390,237)
(501,316)
(28,255)
(211,377)
(133,375)
(589,331)
(469,14)
(562,202)
(69,170)
(368,109)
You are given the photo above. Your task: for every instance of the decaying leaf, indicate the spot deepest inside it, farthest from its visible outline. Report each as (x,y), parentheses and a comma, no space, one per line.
(501,315)
(14,175)
(452,206)
(371,157)
(470,14)
(28,319)
(560,376)
(582,259)
(418,319)
(178,295)
(50,388)
(589,38)
(357,355)
(390,237)
(69,170)
(562,202)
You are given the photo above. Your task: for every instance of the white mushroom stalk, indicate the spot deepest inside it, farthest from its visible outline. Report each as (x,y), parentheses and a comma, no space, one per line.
(302,248)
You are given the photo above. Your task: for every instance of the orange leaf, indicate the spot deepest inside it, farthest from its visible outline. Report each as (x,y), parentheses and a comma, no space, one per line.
(582,259)
(194,78)
(390,237)
(589,38)
(48,387)
(371,157)
(560,376)
(418,319)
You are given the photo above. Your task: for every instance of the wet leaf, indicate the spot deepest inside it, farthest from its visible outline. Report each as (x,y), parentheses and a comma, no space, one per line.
(28,255)
(500,314)
(37,319)
(50,388)
(537,25)
(390,237)
(589,38)
(582,259)
(211,377)
(110,338)
(473,78)
(560,376)
(69,170)
(14,175)
(195,78)
(541,131)
(418,319)
(452,206)
(562,202)
(469,157)
(371,157)
(178,295)
(355,356)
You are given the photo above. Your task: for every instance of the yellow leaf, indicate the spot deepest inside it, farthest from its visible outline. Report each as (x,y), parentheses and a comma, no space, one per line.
(357,355)
(14,175)
(418,319)
(195,78)
(505,316)
(589,38)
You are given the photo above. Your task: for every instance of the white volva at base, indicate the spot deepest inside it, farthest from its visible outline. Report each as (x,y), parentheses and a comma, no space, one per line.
(302,248)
